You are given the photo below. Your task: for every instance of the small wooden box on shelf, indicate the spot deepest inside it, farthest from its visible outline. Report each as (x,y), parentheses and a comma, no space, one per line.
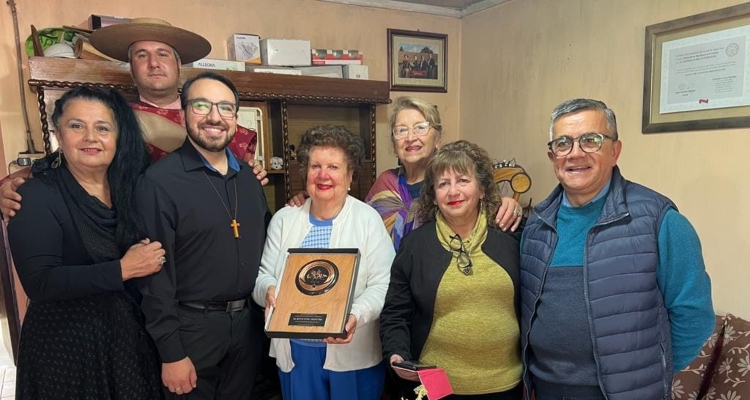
(290,105)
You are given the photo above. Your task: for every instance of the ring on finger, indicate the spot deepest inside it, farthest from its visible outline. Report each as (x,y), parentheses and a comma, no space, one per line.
(162,260)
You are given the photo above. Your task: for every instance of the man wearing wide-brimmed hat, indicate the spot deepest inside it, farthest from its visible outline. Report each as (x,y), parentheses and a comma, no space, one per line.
(155,50)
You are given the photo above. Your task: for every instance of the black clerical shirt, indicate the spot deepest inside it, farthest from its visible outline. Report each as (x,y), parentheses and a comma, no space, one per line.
(189,207)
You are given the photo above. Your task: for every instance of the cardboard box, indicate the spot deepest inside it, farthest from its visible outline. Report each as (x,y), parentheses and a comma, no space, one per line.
(326,71)
(285,52)
(267,69)
(356,72)
(336,57)
(100,21)
(210,63)
(244,47)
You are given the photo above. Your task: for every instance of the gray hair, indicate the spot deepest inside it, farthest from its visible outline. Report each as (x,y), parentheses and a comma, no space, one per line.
(576,105)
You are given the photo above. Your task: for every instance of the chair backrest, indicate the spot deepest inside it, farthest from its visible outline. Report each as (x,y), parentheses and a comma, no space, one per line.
(515,175)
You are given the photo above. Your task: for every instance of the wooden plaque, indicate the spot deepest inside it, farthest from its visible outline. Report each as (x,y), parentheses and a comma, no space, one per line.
(315,294)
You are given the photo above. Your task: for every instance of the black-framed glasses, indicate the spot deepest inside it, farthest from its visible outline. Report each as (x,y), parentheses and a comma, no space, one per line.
(589,142)
(462,256)
(227,110)
(419,129)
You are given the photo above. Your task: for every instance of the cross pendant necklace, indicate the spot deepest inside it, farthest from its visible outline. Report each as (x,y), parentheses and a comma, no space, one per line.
(234,225)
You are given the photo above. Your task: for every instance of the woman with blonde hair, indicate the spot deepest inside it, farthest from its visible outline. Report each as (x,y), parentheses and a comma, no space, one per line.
(416,133)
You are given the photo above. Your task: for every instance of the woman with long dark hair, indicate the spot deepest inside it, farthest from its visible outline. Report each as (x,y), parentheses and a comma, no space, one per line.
(77,249)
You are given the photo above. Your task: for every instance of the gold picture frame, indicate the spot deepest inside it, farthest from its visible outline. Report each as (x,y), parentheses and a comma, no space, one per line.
(685,28)
(417,61)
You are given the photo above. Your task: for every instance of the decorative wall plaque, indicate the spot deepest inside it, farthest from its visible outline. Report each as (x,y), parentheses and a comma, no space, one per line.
(315,294)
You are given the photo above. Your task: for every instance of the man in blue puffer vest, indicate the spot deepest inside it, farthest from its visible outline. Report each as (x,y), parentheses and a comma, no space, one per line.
(614,292)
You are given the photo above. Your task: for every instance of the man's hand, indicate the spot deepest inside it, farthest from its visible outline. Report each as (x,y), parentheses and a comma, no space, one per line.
(402,373)
(259,172)
(509,214)
(351,326)
(179,376)
(298,200)
(11,200)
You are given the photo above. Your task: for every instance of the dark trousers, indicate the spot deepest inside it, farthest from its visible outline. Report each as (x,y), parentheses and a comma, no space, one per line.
(226,350)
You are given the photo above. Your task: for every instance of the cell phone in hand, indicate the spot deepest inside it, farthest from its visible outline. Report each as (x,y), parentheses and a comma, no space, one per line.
(412,365)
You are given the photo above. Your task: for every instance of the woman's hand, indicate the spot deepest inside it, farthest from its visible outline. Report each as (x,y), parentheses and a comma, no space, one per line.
(270,300)
(509,214)
(402,373)
(351,326)
(142,259)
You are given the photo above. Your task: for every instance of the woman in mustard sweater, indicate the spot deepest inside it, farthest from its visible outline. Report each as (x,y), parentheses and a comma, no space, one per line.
(451,301)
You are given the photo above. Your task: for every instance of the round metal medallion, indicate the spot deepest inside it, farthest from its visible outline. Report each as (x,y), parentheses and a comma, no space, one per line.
(317,277)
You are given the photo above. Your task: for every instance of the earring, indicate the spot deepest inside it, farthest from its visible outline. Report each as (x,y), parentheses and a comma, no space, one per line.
(58,160)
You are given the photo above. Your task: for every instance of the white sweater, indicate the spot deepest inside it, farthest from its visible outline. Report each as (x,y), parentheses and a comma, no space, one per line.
(357,226)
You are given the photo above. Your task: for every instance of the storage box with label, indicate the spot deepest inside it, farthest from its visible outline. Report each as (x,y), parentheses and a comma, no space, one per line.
(356,72)
(336,57)
(244,47)
(269,69)
(326,71)
(210,63)
(285,52)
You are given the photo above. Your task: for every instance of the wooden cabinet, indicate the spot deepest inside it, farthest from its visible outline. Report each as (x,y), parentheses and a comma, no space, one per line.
(290,105)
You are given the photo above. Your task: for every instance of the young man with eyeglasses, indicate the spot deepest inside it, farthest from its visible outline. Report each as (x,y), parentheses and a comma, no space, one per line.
(614,293)
(209,212)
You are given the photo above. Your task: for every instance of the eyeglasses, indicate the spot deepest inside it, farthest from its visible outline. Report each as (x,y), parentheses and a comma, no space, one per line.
(419,129)
(588,142)
(462,256)
(226,109)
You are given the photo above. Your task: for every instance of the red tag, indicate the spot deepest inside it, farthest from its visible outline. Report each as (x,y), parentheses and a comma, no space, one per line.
(436,382)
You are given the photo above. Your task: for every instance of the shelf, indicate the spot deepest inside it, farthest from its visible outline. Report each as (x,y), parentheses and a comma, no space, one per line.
(49,72)
(290,104)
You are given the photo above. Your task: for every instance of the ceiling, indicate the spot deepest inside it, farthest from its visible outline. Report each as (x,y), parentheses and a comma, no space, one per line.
(450,8)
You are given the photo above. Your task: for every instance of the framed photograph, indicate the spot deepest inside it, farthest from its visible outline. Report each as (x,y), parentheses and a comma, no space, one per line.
(417,61)
(697,72)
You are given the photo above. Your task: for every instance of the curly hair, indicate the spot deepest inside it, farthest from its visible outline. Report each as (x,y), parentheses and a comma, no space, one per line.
(336,136)
(131,156)
(465,158)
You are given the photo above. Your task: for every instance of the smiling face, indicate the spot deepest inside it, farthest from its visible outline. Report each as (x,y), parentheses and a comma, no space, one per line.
(414,151)
(155,69)
(583,175)
(210,132)
(87,134)
(457,196)
(328,176)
